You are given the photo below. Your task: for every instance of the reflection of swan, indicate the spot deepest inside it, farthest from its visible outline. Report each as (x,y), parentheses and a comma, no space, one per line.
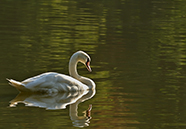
(54,82)
(48,101)
(81,121)
(59,101)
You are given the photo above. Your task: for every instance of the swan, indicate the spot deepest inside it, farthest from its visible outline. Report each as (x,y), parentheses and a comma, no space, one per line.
(52,82)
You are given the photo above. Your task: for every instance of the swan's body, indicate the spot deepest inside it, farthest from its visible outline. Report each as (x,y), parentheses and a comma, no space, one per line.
(52,82)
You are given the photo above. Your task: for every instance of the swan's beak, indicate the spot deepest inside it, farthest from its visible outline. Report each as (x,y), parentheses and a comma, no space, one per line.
(88,66)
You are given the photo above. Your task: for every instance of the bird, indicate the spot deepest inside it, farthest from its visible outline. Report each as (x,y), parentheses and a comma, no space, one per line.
(52,82)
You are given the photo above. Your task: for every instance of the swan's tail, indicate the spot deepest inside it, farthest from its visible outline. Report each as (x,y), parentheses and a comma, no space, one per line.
(17,85)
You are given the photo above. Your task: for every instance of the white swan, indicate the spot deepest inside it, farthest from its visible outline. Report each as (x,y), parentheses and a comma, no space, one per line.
(52,82)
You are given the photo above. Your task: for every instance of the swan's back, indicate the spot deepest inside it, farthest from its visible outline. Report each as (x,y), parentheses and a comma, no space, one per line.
(54,82)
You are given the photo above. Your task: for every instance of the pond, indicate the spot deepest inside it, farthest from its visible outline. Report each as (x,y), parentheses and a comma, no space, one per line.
(138,61)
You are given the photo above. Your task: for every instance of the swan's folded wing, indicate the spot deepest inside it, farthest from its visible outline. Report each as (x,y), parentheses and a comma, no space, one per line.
(35,81)
(70,83)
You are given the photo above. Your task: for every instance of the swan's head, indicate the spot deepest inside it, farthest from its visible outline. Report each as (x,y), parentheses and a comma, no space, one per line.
(83,58)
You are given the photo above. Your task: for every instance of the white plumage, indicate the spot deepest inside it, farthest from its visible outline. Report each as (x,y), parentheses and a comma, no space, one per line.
(52,82)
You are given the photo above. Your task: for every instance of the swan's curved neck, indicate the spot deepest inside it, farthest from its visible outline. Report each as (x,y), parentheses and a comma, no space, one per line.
(73,72)
(73,67)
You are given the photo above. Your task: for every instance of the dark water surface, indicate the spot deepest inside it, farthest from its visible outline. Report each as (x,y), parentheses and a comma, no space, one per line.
(138,52)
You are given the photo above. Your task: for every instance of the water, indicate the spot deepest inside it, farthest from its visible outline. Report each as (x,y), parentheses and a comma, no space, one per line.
(138,52)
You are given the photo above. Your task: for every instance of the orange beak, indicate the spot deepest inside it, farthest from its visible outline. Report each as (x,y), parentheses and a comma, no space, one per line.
(88,66)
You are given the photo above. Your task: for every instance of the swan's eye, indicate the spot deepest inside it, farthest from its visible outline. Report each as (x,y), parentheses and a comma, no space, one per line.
(88,60)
